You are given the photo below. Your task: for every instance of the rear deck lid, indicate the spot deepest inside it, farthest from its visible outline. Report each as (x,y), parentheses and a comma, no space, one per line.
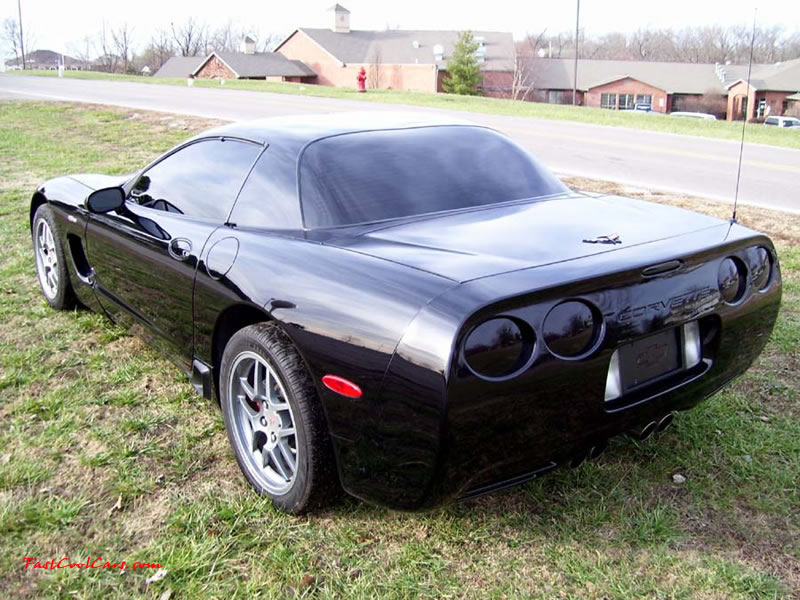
(496,239)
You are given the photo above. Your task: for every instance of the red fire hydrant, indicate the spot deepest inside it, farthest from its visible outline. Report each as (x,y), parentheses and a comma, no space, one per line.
(362,80)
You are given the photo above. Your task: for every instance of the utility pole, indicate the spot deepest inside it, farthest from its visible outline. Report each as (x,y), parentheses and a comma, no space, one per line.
(575,70)
(21,38)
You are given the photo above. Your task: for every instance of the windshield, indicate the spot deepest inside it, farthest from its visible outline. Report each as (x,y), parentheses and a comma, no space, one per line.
(376,175)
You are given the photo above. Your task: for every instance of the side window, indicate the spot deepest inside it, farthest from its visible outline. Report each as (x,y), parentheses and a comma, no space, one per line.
(269,196)
(771,121)
(199,180)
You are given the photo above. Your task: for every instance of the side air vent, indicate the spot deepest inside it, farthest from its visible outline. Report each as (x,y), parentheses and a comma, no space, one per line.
(82,267)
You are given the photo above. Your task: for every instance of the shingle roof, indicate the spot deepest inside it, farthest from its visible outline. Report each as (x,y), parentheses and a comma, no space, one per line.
(180,66)
(45,57)
(681,78)
(261,64)
(398,47)
(782,76)
(264,64)
(677,78)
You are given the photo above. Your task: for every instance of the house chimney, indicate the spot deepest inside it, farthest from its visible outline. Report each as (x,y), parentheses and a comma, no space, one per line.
(248,45)
(341,18)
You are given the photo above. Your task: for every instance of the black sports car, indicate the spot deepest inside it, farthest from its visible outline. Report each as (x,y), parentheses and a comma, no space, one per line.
(410,309)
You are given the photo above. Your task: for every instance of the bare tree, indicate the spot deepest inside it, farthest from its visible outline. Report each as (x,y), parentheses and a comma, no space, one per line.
(107,61)
(266,42)
(375,70)
(707,44)
(791,47)
(533,43)
(615,46)
(524,78)
(560,44)
(11,38)
(159,50)
(83,51)
(190,37)
(121,38)
(768,41)
(225,38)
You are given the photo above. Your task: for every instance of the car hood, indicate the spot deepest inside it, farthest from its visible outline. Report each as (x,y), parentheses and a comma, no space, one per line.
(482,242)
(94,181)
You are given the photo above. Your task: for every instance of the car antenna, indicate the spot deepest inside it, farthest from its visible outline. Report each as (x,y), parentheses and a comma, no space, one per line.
(744,117)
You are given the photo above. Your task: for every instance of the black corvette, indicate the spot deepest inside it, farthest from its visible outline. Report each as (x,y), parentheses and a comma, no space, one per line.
(411,310)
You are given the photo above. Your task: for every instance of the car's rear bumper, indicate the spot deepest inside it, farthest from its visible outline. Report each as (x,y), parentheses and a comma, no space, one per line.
(446,433)
(516,435)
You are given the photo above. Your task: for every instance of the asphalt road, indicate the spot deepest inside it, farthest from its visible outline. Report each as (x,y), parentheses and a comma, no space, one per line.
(657,161)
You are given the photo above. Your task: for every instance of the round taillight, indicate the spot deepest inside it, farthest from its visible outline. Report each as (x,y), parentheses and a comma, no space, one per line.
(498,347)
(732,280)
(760,268)
(572,329)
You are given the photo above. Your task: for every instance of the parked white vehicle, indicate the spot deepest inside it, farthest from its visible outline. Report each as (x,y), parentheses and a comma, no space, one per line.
(782,121)
(694,115)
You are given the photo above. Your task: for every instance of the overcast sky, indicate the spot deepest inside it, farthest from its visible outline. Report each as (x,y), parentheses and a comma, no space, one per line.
(55,24)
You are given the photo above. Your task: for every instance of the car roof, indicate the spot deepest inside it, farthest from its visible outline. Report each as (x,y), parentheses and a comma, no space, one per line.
(301,129)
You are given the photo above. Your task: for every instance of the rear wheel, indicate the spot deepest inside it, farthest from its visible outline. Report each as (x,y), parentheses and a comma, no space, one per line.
(51,264)
(274,420)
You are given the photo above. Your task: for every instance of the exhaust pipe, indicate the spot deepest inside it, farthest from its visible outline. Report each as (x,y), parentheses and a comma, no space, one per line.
(665,422)
(643,432)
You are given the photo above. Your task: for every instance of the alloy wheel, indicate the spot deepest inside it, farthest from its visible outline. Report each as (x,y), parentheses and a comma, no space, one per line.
(46,259)
(264,425)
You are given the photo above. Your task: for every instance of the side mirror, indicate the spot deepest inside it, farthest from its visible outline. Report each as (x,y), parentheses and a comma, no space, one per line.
(105,200)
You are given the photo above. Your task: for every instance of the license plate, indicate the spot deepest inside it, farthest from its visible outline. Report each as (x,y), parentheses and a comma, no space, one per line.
(650,358)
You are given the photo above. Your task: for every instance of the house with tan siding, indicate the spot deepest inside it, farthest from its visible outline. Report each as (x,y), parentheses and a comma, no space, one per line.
(395,59)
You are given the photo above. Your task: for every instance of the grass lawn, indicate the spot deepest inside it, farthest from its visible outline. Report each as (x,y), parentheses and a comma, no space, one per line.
(106,451)
(715,129)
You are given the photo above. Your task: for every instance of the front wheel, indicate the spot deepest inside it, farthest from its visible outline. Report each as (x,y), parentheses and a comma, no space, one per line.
(51,264)
(274,420)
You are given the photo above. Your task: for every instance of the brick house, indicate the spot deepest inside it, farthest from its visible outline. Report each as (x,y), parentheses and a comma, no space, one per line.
(246,64)
(396,59)
(771,91)
(794,105)
(668,87)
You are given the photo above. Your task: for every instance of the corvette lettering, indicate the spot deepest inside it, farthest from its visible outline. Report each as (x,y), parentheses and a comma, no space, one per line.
(672,305)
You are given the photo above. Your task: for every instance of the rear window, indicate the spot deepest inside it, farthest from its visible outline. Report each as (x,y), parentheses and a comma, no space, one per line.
(377,175)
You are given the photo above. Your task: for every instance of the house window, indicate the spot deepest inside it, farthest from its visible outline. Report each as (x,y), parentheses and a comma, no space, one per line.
(762,107)
(608,101)
(625,101)
(644,99)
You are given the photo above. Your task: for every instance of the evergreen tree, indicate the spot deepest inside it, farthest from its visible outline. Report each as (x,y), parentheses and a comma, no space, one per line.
(462,67)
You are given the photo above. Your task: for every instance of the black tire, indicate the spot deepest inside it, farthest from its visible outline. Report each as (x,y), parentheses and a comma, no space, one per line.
(316,482)
(62,297)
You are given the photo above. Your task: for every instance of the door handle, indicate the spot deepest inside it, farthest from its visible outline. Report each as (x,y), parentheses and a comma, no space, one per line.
(180,249)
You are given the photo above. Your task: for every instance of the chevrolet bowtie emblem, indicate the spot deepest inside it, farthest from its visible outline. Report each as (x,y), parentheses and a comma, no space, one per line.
(604,239)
